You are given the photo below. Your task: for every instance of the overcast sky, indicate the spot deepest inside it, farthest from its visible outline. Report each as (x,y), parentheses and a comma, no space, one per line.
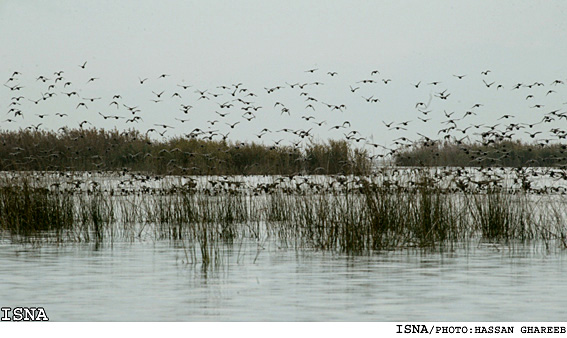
(264,44)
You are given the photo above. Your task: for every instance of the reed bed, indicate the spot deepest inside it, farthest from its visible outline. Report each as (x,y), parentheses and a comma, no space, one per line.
(110,150)
(355,215)
(506,153)
(27,209)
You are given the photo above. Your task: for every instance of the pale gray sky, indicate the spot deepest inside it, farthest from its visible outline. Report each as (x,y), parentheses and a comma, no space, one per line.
(265,44)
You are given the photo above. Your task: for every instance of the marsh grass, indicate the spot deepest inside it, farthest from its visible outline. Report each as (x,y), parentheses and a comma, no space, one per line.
(356,216)
(506,153)
(111,150)
(95,216)
(28,209)
(376,217)
(499,216)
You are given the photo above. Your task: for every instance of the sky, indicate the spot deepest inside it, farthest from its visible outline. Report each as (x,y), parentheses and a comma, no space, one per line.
(266,44)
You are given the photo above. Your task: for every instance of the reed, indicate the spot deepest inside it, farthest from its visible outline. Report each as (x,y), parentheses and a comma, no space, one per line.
(29,209)
(95,217)
(350,214)
(503,216)
(111,150)
(502,153)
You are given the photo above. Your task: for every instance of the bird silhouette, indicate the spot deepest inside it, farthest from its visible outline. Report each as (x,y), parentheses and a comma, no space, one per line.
(233,125)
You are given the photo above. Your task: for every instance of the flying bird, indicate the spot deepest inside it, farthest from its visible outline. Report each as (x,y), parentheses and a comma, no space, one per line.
(163,125)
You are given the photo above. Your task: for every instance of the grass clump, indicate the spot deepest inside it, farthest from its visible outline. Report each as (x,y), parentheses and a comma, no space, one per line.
(27,209)
(502,216)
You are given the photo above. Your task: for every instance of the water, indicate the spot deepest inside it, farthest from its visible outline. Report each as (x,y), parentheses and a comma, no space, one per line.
(151,281)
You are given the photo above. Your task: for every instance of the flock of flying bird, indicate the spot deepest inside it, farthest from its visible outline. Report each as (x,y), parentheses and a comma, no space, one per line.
(166,107)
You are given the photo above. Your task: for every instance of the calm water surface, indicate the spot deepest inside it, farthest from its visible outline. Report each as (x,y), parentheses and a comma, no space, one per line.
(152,282)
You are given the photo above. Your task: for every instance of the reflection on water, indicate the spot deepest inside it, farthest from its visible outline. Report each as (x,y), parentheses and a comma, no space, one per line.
(152,282)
